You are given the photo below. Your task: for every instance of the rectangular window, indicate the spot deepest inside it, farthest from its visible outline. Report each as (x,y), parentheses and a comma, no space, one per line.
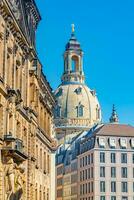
(102,186)
(124,172)
(80,176)
(124,187)
(102,171)
(123,158)
(133,158)
(88,172)
(133,172)
(113,158)
(113,197)
(124,198)
(133,186)
(113,186)
(102,197)
(83,175)
(80,189)
(89,159)
(102,157)
(86,160)
(83,164)
(92,158)
(113,172)
(92,187)
(80,162)
(92,172)
(89,187)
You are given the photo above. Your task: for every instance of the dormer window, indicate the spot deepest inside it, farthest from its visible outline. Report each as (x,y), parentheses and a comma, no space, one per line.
(80,110)
(78,90)
(132,143)
(58,111)
(59,93)
(102,142)
(123,143)
(112,142)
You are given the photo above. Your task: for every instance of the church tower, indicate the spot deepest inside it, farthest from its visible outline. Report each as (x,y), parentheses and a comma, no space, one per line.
(77,108)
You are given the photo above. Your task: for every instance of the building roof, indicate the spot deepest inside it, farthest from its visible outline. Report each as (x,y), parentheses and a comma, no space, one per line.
(115,130)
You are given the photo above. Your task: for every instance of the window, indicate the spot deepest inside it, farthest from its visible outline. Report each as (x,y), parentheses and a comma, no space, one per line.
(113,186)
(102,198)
(124,198)
(80,110)
(133,172)
(83,161)
(133,186)
(88,172)
(124,187)
(89,159)
(83,175)
(113,172)
(92,158)
(92,173)
(102,171)
(124,172)
(80,162)
(102,157)
(86,160)
(113,158)
(80,176)
(89,187)
(92,187)
(102,186)
(123,158)
(58,111)
(133,158)
(113,198)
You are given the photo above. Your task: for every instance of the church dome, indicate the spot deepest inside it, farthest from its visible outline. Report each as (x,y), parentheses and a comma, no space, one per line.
(77,105)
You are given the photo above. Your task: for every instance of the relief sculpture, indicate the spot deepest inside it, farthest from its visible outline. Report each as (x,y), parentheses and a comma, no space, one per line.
(14,181)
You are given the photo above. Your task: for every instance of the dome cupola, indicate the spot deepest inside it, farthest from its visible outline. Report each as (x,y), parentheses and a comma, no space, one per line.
(73,61)
(77,105)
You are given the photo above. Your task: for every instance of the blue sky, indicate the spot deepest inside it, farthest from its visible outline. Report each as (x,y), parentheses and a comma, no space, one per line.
(105,30)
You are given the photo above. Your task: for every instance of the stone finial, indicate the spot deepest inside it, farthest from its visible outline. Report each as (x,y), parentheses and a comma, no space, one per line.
(114,117)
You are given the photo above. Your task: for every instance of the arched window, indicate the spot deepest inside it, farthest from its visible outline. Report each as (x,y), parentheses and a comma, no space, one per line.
(80,110)
(75,63)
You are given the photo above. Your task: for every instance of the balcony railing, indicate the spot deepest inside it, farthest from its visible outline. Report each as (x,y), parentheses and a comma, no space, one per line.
(14,146)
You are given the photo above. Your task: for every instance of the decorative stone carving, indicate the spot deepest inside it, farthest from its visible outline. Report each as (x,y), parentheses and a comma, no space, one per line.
(14,180)
(1,36)
(15,8)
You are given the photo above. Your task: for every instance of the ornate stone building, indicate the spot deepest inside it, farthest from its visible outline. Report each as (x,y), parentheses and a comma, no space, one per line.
(27,142)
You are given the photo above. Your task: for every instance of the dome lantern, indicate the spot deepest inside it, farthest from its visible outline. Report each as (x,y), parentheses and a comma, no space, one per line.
(73,61)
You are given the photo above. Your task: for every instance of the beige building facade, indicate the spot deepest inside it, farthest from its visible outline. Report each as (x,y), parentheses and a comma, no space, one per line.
(27,143)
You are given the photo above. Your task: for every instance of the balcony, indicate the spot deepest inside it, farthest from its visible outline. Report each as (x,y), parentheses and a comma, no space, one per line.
(14,147)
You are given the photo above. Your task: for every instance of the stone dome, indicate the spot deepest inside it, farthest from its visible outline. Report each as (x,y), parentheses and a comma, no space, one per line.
(77,106)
